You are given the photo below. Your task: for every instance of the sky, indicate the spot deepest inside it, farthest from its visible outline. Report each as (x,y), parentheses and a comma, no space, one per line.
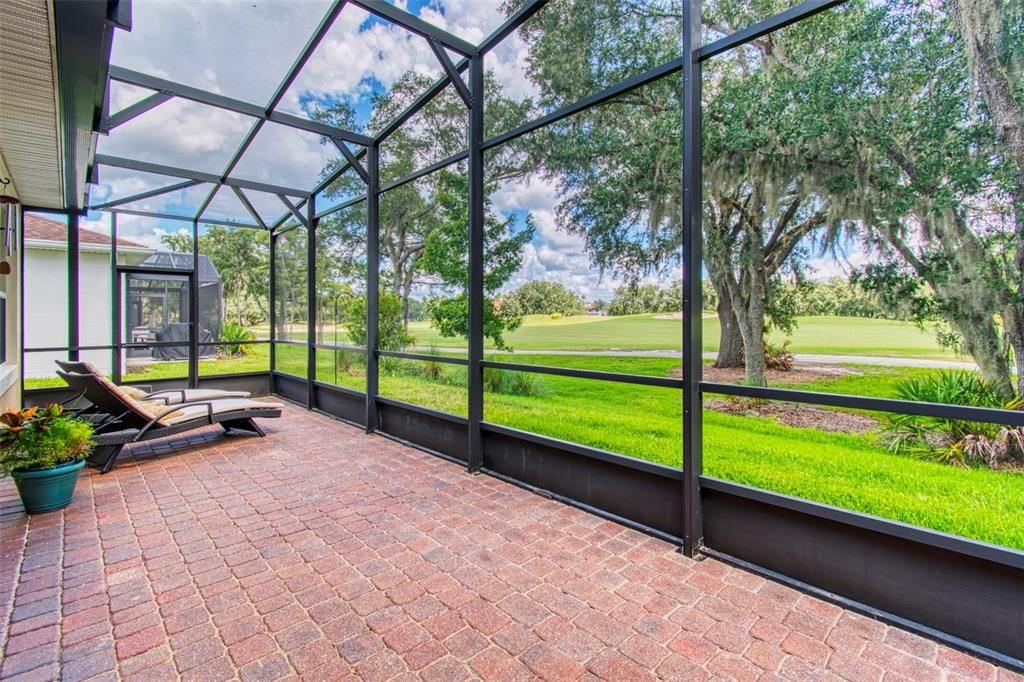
(242,49)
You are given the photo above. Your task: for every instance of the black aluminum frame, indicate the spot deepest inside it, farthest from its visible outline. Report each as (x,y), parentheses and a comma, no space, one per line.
(706,515)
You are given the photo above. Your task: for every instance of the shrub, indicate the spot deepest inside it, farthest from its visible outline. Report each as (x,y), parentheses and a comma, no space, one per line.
(511,383)
(432,369)
(647,298)
(557,316)
(391,332)
(233,336)
(955,441)
(41,438)
(778,357)
(544,298)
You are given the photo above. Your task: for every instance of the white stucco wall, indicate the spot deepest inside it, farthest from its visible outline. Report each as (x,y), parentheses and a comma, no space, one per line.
(46,307)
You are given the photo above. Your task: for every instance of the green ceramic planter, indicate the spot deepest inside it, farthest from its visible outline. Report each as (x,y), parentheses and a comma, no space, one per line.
(46,490)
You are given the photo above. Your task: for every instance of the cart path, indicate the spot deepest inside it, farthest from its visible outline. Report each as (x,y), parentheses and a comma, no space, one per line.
(819,358)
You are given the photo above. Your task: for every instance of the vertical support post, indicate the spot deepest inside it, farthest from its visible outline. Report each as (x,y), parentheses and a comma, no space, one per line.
(21,300)
(193,311)
(372,284)
(475,410)
(73,282)
(115,305)
(311,307)
(272,303)
(693,365)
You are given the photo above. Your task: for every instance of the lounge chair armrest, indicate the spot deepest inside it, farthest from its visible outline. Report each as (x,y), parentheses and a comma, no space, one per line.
(175,408)
(165,395)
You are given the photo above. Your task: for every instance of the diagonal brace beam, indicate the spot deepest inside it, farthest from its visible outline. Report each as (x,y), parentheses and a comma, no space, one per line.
(353,162)
(293,210)
(145,195)
(134,111)
(249,207)
(453,73)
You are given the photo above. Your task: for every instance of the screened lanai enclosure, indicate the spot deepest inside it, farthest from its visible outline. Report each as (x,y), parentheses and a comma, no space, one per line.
(398,178)
(157,306)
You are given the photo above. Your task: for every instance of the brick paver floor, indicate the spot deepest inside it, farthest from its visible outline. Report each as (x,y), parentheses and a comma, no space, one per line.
(322,553)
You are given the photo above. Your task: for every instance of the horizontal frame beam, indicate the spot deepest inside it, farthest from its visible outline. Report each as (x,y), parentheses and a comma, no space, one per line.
(419,409)
(142,80)
(626,86)
(424,357)
(856,402)
(212,178)
(636,379)
(414,24)
(781,20)
(418,103)
(349,203)
(338,347)
(186,219)
(426,170)
(521,16)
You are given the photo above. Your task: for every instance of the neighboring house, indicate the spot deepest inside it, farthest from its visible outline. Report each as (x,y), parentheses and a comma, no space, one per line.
(46,292)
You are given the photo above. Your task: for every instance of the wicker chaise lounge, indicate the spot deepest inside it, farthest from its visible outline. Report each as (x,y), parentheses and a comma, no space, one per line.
(125,420)
(168,396)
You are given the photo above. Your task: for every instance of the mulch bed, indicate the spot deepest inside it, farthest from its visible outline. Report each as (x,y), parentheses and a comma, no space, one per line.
(790,414)
(799,416)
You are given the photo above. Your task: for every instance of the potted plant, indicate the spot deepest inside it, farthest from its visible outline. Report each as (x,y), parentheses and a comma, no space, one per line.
(43,450)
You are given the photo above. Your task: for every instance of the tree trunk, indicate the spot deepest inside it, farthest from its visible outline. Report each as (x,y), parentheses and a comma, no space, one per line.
(1013,327)
(751,327)
(981,340)
(750,321)
(981,24)
(730,345)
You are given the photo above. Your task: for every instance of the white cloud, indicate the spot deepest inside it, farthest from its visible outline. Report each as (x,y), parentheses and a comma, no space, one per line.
(555,255)
(826,267)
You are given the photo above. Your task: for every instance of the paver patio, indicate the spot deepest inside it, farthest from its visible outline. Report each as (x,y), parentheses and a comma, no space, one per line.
(322,553)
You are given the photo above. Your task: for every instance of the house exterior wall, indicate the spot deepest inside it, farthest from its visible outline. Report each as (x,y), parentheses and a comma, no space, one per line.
(10,370)
(46,307)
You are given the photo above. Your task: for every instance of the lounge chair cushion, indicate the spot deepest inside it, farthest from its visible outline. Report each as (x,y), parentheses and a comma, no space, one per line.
(156,408)
(190,412)
(130,403)
(133,393)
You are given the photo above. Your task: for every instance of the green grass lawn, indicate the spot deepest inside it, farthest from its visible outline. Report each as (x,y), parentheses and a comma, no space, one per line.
(853,471)
(835,335)
(257,359)
(830,335)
